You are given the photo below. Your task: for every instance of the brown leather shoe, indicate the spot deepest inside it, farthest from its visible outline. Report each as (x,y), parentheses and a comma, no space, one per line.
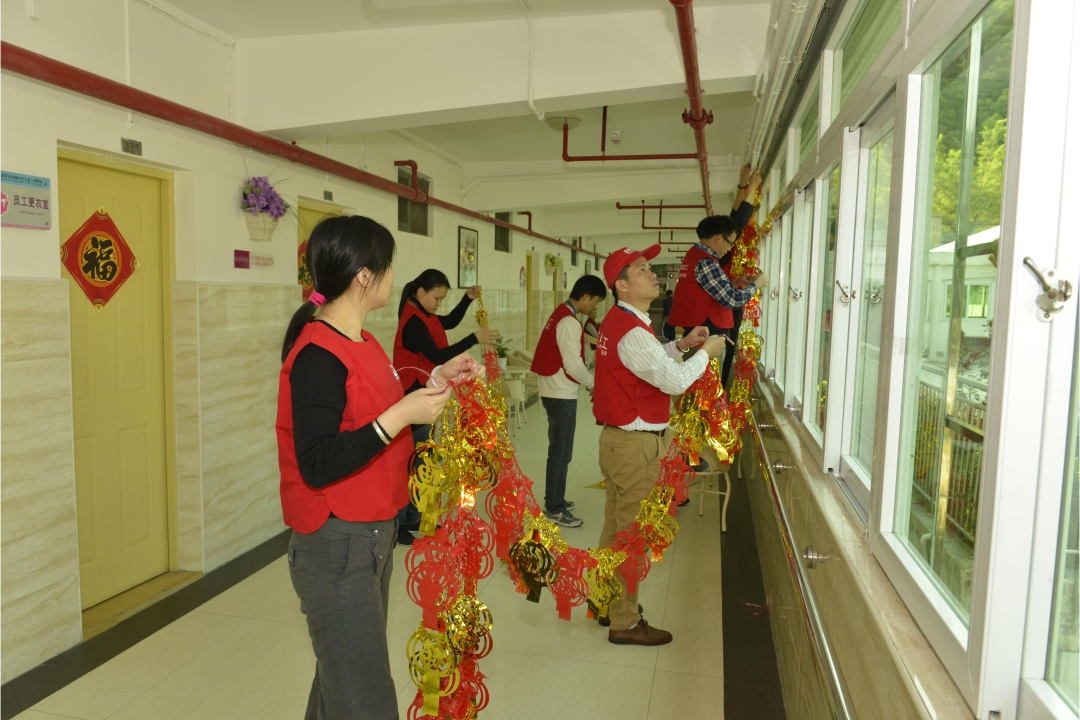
(640,634)
(606,620)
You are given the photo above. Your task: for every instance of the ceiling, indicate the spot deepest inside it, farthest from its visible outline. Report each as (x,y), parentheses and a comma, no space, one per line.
(647,128)
(269,18)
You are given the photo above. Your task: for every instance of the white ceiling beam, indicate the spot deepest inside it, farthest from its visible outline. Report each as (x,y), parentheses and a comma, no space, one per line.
(364,81)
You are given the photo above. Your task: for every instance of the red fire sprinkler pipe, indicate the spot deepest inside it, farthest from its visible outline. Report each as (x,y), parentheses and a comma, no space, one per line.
(567,157)
(697,117)
(529,213)
(620,206)
(415,184)
(44,69)
(660,227)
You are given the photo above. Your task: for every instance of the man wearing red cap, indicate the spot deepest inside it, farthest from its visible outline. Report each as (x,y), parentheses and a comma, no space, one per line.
(635,379)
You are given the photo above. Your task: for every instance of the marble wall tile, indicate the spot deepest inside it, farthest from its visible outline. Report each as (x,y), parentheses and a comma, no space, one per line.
(39,594)
(240,332)
(189,490)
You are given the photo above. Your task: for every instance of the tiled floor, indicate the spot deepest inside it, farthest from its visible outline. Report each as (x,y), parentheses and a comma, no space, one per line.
(246,653)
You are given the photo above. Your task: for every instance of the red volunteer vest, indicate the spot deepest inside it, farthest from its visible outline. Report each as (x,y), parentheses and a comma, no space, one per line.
(548,359)
(691,305)
(404,360)
(620,396)
(379,489)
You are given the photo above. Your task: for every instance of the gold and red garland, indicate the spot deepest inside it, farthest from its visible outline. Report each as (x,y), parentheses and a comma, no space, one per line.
(469,452)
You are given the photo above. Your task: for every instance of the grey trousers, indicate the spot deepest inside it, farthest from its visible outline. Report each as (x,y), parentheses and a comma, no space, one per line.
(341,572)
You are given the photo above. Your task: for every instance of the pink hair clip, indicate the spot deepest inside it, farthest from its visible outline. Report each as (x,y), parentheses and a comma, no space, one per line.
(317,299)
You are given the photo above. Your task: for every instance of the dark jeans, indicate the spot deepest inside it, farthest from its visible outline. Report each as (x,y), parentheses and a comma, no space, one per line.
(341,573)
(562,422)
(409,515)
(669,331)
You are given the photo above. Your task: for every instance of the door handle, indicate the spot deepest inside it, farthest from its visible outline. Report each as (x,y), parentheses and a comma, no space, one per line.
(846,296)
(795,294)
(1052,300)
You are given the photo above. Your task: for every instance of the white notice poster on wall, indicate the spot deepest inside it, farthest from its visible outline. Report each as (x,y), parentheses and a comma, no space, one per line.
(25,201)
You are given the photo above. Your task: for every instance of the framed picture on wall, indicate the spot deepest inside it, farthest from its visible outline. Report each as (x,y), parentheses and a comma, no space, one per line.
(468,244)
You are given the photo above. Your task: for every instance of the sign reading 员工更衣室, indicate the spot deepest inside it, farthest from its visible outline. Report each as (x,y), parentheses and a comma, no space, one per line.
(25,201)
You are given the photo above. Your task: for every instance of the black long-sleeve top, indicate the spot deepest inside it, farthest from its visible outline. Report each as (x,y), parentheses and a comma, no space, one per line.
(324,453)
(416,338)
(741,217)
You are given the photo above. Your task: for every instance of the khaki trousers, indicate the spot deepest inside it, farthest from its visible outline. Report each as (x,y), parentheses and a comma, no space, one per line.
(630,463)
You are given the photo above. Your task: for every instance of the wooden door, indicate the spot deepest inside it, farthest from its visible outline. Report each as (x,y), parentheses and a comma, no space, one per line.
(118,386)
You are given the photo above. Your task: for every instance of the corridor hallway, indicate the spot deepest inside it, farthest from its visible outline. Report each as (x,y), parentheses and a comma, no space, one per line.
(246,653)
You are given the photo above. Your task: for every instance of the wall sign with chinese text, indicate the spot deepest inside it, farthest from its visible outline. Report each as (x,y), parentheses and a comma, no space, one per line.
(246,260)
(25,201)
(98,258)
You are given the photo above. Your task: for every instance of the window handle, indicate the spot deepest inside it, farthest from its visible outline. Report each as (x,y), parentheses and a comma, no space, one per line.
(846,296)
(874,296)
(774,293)
(795,294)
(1052,300)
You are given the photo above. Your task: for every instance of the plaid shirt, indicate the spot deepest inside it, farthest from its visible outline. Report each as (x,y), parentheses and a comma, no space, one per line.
(713,280)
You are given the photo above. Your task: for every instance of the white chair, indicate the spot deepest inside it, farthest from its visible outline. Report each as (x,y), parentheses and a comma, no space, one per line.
(709,483)
(514,392)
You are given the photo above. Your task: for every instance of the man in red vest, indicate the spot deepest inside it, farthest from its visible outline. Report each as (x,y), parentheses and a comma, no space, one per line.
(705,295)
(635,379)
(559,362)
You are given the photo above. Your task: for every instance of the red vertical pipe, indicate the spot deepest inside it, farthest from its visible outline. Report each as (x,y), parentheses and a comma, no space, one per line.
(697,117)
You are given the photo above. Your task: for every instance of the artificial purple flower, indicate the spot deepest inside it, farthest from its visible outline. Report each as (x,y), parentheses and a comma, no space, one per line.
(260,197)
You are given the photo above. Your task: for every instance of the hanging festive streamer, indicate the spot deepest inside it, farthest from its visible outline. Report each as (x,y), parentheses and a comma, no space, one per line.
(469,452)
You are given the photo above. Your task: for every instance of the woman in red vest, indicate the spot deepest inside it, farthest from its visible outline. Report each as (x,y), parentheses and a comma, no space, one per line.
(344,440)
(421,345)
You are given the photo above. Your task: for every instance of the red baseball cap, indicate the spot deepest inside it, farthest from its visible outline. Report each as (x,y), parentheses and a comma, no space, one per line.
(620,259)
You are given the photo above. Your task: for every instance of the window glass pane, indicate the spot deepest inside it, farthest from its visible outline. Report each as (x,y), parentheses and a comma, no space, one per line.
(947,365)
(1062,665)
(868,349)
(808,129)
(783,280)
(870,28)
(978,301)
(826,259)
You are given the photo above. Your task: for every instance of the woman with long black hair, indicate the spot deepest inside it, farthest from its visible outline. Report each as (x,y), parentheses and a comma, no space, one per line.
(421,345)
(344,441)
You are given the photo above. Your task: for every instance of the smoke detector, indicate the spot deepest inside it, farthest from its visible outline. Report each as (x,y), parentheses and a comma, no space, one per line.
(556,122)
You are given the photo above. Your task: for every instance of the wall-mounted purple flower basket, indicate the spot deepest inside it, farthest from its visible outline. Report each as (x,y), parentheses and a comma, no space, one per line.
(263,207)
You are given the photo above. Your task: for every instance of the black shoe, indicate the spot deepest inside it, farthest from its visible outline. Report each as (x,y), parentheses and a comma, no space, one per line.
(685,502)
(606,621)
(404,537)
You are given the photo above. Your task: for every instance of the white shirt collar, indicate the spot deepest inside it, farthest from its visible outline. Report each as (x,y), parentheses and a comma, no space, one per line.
(631,308)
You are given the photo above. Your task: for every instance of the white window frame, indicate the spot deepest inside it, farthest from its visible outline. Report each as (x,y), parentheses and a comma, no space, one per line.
(814,291)
(779,284)
(799,300)
(857,482)
(1006,637)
